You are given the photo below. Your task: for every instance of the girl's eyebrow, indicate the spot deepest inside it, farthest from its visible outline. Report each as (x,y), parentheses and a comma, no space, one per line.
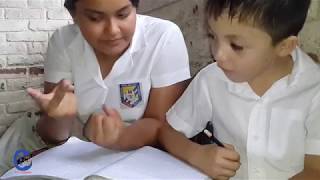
(93,11)
(88,10)
(124,8)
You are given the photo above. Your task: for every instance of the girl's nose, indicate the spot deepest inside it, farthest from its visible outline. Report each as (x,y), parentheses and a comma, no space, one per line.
(112,27)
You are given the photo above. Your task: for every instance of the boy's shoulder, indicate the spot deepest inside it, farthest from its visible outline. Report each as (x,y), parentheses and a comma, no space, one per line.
(306,64)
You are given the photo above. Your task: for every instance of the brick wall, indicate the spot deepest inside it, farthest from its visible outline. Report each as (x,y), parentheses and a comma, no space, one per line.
(26,25)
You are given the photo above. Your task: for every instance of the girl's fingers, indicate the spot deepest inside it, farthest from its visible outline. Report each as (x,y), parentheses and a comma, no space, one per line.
(38,97)
(111,112)
(35,94)
(59,93)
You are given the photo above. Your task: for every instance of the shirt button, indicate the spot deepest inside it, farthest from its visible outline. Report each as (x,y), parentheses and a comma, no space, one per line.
(257,172)
(256,138)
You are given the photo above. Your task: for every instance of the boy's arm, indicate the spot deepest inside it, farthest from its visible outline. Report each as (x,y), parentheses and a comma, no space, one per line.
(311,168)
(216,162)
(177,144)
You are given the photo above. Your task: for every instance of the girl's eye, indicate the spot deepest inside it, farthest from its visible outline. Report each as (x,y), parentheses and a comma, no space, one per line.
(123,15)
(93,18)
(236,47)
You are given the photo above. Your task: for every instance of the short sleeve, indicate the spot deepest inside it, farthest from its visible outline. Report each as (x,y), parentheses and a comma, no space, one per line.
(193,109)
(57,65)
(172,63)
(313,128)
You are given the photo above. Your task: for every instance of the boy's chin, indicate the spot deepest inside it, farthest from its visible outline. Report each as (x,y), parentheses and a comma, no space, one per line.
(235,79)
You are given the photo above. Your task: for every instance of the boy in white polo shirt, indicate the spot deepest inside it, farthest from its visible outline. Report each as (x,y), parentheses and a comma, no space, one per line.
(262,96)
(134,64)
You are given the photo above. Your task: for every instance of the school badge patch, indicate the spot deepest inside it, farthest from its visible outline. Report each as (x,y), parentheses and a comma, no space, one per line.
(130,94)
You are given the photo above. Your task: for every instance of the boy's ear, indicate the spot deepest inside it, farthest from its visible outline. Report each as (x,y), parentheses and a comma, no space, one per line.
(286,46)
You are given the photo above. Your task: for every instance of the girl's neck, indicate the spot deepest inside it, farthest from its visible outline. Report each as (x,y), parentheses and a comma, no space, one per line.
(105,63)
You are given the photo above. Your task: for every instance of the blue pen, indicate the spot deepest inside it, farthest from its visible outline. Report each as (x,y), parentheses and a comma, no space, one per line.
(209,132)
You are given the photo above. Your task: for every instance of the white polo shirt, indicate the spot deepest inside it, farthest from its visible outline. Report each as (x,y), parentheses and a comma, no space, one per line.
(157,57)
(272,133)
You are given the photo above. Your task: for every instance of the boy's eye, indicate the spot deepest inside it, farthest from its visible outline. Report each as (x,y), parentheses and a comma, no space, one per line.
(210,36)
(236,47)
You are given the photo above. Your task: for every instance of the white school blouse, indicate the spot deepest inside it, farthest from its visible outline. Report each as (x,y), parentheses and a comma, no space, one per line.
(157,57)
(272,133)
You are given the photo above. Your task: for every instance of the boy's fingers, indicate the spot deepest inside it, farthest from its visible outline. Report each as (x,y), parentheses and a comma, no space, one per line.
(228,146)
(222,178)
(231,154)
(230,165)
(228,172)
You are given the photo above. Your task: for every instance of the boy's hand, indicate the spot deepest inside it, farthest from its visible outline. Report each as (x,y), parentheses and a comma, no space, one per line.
(104,129)
(217,162)
(60,103)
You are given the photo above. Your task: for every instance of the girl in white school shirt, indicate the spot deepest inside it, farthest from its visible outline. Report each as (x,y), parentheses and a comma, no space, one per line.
(123,67)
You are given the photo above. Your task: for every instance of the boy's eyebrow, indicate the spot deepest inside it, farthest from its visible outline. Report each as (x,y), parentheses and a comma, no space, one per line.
(234,37)
(209,30)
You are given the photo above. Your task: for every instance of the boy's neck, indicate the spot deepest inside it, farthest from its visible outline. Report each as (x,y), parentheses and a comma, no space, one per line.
(281,68)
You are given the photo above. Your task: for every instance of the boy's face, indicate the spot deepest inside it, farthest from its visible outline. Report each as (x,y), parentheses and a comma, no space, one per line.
(107,25)
(242,51)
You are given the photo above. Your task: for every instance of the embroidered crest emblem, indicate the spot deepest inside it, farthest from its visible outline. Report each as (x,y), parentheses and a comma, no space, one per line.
(130,94)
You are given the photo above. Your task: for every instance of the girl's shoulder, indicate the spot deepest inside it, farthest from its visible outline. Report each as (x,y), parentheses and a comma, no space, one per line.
(66,34)
(156,26)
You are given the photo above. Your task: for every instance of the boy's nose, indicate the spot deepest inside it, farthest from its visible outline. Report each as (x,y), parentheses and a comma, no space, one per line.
(220,54)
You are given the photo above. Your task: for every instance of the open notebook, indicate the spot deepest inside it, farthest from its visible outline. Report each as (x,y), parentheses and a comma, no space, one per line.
(77,159)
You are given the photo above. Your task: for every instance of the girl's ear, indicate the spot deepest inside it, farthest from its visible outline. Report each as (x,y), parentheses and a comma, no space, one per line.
(286,46)
(74,18)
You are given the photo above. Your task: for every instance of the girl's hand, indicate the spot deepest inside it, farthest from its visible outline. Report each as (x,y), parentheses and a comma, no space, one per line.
(105,129)
(60,103)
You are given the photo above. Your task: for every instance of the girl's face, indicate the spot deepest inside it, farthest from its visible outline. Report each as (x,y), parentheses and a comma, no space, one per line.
(107,25)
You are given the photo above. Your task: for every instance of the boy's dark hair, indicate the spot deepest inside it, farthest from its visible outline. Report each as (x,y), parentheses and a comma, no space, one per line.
(279,18)
(71,4)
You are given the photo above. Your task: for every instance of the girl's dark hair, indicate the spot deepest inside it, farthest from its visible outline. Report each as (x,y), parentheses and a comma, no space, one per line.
(279,18)
(71,4)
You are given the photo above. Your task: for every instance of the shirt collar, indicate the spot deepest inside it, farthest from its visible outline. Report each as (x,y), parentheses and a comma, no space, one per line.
(302,64)
(138,39)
